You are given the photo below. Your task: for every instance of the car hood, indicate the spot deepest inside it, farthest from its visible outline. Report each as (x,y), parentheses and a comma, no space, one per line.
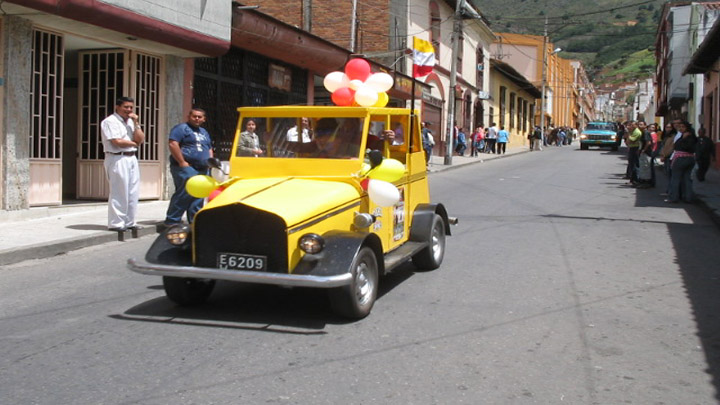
(293,199)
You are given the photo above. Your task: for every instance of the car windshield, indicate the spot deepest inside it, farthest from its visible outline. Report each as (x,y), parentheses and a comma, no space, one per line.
(301,137)
(600,126)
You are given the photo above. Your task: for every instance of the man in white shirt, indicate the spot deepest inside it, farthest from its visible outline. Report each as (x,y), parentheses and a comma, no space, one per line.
(491,137)
(121,136)
(292,133)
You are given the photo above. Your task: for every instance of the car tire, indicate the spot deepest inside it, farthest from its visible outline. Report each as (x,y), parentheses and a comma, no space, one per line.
(432,256)
(188,291)
(357,299)
(583,146)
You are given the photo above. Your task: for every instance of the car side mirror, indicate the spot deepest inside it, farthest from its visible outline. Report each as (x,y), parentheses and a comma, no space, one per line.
(216,164)
(376,157)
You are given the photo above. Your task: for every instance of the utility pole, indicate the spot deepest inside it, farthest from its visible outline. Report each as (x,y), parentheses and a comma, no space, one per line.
(457,29)
(353,27)
(544,79)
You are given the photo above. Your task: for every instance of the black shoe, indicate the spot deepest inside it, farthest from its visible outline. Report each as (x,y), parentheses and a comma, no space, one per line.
(135,227)
(117,229)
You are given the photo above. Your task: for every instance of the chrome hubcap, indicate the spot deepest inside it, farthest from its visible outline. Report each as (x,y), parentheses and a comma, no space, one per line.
(363,285)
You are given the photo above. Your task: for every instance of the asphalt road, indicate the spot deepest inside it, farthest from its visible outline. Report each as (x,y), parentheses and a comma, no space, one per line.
(560,285)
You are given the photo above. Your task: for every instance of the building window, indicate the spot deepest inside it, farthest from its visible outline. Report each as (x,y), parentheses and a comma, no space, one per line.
(512,110)
(503,90)
(480,66)
(435,22)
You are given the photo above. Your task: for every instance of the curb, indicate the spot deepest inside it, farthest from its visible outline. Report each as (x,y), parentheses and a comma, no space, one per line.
(43,251)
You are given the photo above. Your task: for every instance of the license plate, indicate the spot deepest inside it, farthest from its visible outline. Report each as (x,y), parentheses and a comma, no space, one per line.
(235,261)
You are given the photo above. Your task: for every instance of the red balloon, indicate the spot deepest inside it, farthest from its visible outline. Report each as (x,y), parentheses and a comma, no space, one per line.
(357,69)
(364,184)
(343,96)
(215,193)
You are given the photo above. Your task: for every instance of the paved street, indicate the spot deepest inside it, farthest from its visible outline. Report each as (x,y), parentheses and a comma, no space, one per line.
(560,285)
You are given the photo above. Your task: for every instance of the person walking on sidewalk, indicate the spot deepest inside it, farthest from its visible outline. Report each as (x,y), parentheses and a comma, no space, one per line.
(475,141)
(683,161)
(121,136)
(537,139)
(461,142)
(633,143)
(190,148)
(704,153)
(491,138)
(427,141)
(502,140)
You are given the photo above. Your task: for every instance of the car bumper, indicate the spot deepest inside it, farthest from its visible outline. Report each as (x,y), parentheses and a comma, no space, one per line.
(595,142)
(281,279)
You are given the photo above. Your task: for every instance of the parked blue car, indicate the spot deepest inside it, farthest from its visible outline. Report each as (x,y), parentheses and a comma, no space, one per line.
(600,134)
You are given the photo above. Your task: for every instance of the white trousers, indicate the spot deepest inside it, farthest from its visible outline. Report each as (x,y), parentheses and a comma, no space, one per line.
(123,176)
(537,145)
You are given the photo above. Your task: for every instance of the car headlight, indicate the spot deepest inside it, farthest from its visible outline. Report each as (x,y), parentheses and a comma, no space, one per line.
(583,136)
(311,243)
(612,137)
(178,234)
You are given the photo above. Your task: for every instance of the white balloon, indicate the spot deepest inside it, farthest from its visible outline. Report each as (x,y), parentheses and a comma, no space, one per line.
(380,82)
(336,80)
(366,96)
(355,84)
(383,193)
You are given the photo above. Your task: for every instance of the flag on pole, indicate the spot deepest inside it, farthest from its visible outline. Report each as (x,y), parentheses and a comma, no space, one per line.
(423,57)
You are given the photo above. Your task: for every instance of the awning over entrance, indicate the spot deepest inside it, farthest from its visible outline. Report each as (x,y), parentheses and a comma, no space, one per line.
(115,19)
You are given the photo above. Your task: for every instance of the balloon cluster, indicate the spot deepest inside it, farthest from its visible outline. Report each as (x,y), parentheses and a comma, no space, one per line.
(358,86)
(378,181)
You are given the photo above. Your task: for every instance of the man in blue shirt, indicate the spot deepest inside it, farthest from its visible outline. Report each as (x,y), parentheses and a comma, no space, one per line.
(190,148)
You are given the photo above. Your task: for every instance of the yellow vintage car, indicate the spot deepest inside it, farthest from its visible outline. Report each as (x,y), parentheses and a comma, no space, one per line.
(302,207)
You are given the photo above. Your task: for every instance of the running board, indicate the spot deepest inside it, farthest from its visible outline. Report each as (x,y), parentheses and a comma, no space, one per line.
(402,254)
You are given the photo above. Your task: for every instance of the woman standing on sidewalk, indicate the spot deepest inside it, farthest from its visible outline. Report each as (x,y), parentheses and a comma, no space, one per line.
(683,161)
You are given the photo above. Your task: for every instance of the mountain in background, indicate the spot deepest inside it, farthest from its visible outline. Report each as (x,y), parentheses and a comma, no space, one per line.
(613,38)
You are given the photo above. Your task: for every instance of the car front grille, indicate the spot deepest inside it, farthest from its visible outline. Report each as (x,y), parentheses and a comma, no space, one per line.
(599,137)
(238,228)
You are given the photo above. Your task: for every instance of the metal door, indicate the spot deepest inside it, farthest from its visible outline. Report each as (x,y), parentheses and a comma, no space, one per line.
(46,93)
(104,76)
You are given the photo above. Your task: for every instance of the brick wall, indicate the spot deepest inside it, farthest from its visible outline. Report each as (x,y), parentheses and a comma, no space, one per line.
(331,20)
(287,11)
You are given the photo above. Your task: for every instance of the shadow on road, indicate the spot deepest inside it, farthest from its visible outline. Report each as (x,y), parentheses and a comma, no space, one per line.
(262,308)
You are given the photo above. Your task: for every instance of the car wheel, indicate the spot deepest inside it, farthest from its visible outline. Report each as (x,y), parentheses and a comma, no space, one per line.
(188,291)
(432,256)
(356,299)
(583,146)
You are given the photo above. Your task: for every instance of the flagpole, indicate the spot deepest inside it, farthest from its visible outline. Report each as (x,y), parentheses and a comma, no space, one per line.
(450,134)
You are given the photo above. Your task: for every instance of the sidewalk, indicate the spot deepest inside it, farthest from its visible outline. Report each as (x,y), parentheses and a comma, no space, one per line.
(49,231)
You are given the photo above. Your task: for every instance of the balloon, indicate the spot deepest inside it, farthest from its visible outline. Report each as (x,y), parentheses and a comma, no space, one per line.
(215,193)
(336,80)
(388,170)
(200,186)
(365,96)
(355,84)
(383,193)
(343,96)
(382,100)
(364,184)
(380,82)
(357,69)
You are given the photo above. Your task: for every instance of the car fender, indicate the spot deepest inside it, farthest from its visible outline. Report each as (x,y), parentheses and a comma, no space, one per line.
(163,252)
(341,247)
(422,221)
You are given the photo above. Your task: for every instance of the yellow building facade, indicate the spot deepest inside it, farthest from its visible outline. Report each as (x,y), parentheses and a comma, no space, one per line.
(537,60)
(514,102)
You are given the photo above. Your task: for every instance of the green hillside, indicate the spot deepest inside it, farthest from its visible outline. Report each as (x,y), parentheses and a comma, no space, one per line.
(611,37)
